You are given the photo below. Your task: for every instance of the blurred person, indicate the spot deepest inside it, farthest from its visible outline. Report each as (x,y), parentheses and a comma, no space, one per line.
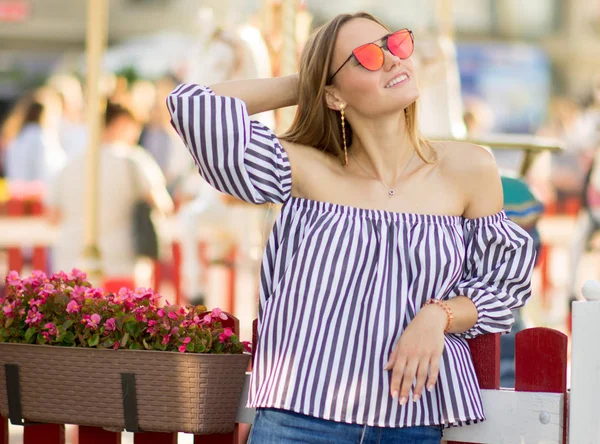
(35,154)
(568,168)
(126,175)
(73,129)
(390,250)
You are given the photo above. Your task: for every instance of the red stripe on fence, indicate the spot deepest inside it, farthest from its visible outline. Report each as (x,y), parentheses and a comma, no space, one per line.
(155,438)
(541,364)
(44,433)
(97,435)
(3,430)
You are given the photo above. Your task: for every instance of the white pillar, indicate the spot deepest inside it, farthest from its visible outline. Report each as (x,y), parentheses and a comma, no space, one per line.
(97,25)
(584,403)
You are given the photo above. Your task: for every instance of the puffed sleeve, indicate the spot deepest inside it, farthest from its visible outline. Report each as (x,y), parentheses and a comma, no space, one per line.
(499,259)
(236,155)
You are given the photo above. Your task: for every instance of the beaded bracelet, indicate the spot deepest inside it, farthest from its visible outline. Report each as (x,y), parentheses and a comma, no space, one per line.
(446,308)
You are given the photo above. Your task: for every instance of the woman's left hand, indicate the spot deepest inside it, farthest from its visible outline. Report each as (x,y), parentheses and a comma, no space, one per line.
(417,353)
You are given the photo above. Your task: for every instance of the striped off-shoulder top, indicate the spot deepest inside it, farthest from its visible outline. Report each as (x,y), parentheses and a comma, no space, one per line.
(339,284)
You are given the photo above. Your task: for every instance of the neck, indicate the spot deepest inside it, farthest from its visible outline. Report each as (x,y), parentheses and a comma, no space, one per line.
(382,146)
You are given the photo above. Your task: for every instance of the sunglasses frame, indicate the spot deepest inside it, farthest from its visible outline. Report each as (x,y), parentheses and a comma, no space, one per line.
(383,46)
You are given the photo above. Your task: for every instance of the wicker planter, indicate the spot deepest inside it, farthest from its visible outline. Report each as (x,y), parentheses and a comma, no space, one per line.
(193,393)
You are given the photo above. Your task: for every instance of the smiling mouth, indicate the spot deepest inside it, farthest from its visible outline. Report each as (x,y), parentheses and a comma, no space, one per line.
(397,80)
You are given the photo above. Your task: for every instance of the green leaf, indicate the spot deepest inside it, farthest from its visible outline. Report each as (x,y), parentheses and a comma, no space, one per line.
(9,322)
(190,347)
(135,346)
(30,333)
(124,340)
(69,338)
(94,340)
(146,345)
(67,324)
(133,329)
(41,339)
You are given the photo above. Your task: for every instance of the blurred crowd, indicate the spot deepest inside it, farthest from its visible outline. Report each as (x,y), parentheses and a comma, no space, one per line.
(44,142)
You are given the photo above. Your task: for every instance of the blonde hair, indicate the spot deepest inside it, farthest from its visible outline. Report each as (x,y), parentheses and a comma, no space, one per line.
(315,124)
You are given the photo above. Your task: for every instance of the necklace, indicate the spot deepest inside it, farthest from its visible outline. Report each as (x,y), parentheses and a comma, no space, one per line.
(390,189)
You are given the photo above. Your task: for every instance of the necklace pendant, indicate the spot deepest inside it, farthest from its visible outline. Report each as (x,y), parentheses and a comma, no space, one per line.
(391,193)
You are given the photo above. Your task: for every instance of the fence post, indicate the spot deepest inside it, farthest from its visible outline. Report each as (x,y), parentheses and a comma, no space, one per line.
(3,430)
(40,253)
(155,438)
(485,352)
(15,207)
(584,427)
(541,364)
(97,435)
(44,433)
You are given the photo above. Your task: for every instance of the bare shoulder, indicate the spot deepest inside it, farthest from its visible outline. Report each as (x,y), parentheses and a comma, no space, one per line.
(308,164)
(473,168)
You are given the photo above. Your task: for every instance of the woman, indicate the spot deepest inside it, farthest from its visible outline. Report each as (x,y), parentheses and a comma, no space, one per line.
(36,155)
(388,253)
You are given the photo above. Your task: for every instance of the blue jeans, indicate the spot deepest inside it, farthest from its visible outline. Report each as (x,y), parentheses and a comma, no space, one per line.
(274,426)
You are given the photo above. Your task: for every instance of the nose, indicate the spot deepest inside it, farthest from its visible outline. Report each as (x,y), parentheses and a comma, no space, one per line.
(390,60)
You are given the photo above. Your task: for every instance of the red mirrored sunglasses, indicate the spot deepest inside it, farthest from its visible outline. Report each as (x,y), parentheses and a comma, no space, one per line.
(370,55)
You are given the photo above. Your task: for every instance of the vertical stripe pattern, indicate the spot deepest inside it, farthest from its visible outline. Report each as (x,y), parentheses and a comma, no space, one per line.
(340,284)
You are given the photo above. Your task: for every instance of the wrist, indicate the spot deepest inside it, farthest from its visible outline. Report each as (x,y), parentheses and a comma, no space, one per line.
(439,312)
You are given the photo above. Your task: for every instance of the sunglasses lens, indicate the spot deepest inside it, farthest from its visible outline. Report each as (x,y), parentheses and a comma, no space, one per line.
(401,44)
(369,56)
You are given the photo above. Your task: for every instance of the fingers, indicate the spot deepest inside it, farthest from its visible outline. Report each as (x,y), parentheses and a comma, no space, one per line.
(421,378)
(434,371)
(407,379)
(397,374)
(392,359)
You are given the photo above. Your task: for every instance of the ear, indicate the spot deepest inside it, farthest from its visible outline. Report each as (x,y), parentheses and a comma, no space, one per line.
(333,99)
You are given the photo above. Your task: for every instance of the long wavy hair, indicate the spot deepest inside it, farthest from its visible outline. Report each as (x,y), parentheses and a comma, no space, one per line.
(315,124)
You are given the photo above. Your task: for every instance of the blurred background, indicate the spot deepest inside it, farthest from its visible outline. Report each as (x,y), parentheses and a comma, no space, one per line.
(519,77)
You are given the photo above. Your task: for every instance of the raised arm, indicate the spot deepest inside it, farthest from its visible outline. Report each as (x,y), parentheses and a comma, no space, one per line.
(261,95)
(234,154)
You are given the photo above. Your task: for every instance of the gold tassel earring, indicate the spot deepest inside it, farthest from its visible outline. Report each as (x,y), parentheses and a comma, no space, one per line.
(342,107)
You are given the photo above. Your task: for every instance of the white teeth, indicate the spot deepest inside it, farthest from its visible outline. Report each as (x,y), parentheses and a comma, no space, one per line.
(397,80)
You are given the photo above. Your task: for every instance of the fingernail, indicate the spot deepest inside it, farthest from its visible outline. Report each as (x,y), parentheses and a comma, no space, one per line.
(403,400)
(430,388)
(395,394)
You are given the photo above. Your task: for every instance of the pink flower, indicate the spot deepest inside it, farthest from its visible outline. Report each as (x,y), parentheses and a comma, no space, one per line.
(60,276)
(182,348)
(46,335)
(8,310)
(161,313)
(247,346)
(116,345)
(172,315)
(227,333)
(36,302)
(39,275)
(110,325)
(34,317)
(166,340)
(151,323)
(13,279)
(73,307)
(93,321)
(187,340)
(207,319)
(78,275)
(217,313)
(52,330)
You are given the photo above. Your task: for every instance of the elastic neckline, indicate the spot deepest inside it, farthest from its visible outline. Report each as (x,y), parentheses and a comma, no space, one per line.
(330,207)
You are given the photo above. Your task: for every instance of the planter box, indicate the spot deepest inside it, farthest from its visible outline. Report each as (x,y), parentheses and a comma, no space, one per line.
(192,393)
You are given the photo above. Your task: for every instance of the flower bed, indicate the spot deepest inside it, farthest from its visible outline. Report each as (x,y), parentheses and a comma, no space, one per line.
(187,367)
